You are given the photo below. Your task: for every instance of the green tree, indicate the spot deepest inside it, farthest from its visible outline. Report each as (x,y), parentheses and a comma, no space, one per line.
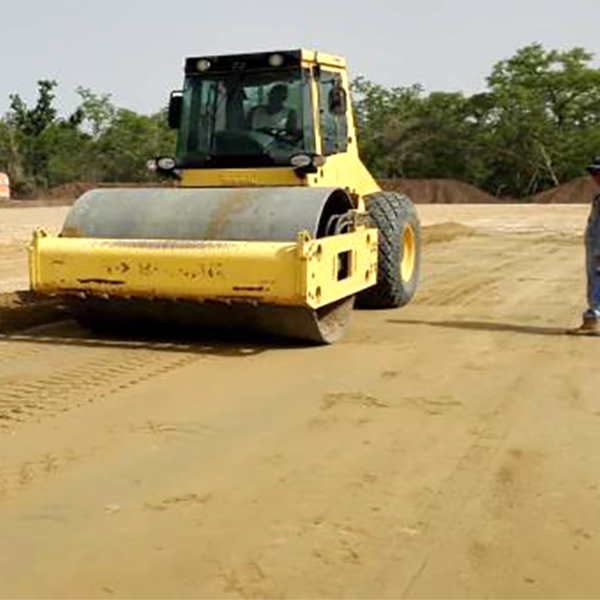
(28,160)
(384,117)
(70,153)
(97,110)
(545,118)
(445,138)
(33,140)
(129,142)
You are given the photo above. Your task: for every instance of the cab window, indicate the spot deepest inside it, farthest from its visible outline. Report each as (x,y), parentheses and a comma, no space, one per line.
(333,107)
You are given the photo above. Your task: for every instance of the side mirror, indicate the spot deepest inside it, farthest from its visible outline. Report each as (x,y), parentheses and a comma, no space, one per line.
(338,101)
(175,109)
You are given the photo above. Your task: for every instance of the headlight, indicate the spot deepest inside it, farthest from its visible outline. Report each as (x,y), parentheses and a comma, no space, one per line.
(166,163)
(308,163)
(300,160)
(151,164)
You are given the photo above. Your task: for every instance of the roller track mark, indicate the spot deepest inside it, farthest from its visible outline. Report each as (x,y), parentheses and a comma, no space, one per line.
(25,397)
(457,288)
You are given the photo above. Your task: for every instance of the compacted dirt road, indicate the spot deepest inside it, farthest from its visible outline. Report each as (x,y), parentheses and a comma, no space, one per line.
(448,449)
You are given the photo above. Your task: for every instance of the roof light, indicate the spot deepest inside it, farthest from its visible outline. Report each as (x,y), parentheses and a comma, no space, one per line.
(276,60)
(203,65)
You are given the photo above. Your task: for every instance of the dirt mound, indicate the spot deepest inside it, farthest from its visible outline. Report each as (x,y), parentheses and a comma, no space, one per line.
(421,191)
(67,193)
(446,232)
(578,191)
(70,190)
(439,191)
(77,188)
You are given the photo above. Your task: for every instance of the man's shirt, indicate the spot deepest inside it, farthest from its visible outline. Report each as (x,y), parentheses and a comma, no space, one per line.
(263,119)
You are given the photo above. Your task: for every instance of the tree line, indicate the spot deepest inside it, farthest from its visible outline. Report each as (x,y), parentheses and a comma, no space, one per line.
(534,126)
(98,142)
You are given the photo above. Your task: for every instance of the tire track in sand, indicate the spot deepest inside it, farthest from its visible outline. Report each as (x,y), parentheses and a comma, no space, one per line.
(74,377)
(71,378)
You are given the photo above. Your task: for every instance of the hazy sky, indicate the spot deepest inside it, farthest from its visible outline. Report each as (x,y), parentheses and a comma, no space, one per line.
(134,49)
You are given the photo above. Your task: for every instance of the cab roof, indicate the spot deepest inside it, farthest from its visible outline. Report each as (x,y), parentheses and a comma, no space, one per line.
(261,60)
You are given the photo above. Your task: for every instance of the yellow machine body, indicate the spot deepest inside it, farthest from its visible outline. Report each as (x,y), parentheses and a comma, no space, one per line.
(302,273)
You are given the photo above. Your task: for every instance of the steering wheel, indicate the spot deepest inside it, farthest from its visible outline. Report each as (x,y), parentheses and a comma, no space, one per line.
(281,135)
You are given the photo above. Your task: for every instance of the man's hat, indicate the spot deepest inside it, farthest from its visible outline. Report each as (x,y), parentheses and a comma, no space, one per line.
(594,166)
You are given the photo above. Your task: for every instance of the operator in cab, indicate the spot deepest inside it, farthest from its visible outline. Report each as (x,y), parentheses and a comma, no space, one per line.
(275,114)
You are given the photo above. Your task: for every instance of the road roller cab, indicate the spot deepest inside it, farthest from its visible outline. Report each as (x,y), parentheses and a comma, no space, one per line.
(274,224)
(266,119)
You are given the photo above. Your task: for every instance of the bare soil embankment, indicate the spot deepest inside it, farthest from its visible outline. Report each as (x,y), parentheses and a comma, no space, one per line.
(578,191)
(439,191)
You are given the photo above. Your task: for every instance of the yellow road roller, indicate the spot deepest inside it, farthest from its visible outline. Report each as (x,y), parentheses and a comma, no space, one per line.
(272,222)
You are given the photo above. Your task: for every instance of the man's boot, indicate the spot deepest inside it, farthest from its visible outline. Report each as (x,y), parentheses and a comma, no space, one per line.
(590,326)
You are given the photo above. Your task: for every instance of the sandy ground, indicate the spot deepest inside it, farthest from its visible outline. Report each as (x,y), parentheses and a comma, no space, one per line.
(16,227)
(448,449)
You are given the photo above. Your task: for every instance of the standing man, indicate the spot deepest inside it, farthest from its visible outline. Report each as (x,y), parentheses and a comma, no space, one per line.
(591,317)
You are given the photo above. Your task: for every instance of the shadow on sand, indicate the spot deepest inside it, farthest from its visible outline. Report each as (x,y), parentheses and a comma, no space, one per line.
(69,333)
(485,326)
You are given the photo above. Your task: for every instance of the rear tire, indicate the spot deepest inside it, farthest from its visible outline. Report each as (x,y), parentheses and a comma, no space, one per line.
(399,259)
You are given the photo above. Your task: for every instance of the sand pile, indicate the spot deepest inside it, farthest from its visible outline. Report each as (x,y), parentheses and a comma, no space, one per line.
(446,232)
(439,191)
(578,191)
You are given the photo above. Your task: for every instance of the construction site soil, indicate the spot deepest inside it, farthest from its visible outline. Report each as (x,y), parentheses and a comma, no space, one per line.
(448,449)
